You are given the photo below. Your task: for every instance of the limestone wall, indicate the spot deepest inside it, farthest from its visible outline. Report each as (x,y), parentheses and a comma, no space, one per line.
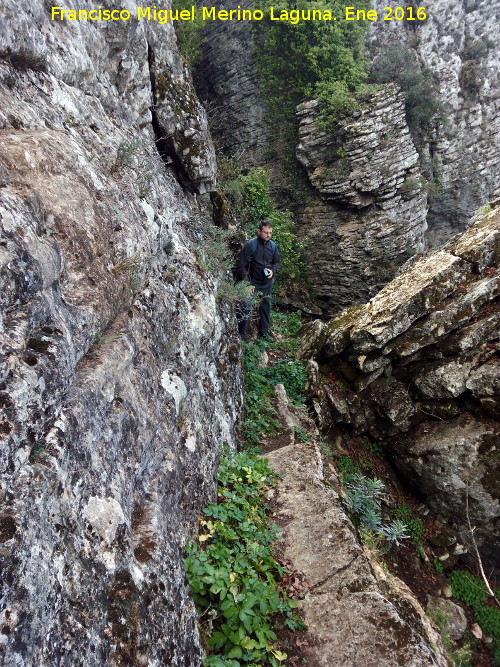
(417,368)
(458,44)
(119,375)
(368,215)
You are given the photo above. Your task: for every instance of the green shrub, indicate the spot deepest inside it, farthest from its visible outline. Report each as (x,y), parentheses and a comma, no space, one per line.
(213,254)
(375,448)
(415,527)
(399,64)
(232,572)
(474,593)
(256,202)
(322,59)
(188,32)
(346,469)
(362,498)
(289,246)
(337,100)
(250,198)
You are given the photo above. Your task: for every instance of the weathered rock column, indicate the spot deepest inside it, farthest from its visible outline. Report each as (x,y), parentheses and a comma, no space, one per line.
(369,214)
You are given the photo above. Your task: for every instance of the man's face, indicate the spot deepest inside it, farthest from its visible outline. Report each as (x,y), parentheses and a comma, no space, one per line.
(265,233)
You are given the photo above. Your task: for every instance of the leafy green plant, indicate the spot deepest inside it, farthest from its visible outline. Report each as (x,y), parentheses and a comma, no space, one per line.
(414,525)
(301,434)
(362,498)
(292,375)
(213,255)
(256,201)
(395,532)
(232,292)
(438,565)
(474,593)
(231,570)
(375,448)
(347,469)
(289,245)
(286,327)
(38,449)
(260,415)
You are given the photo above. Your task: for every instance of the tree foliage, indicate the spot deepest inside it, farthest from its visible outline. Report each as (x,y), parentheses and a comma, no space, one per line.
(298,60)
(322,59)
(399,64)
(250,197)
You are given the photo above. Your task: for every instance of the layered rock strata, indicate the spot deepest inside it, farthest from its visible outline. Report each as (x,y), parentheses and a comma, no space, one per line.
(119,375)
(369,215)
(458,45)
(417,366)
(228,83)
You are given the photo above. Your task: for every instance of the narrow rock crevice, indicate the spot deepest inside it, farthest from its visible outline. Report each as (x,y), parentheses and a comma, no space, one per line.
(331,575)
(164,142)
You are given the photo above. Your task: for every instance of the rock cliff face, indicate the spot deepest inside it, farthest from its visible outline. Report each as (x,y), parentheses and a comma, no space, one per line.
(364,222)
(417,366)
(228,82)
(458,45)
(119,373)
(370,212)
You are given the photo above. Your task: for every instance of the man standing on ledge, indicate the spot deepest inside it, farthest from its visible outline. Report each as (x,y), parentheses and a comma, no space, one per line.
(258,262)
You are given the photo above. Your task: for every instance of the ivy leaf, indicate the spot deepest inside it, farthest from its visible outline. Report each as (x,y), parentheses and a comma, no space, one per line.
(236,652)
(279,655)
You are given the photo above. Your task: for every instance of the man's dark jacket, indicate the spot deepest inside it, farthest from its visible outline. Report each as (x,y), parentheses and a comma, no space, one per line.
(251,267)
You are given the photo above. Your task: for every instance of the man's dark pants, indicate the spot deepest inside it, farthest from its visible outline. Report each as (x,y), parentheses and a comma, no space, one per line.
(263,295)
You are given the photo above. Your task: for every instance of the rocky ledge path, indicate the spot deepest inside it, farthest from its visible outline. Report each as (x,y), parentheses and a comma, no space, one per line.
(357,614)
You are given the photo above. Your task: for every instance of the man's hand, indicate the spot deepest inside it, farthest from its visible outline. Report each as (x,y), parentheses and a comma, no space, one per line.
(251,289)
(269,273)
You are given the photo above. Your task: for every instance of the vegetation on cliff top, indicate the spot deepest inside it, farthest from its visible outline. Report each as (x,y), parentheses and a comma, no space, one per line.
(305,59)
(399,64)
(322,59)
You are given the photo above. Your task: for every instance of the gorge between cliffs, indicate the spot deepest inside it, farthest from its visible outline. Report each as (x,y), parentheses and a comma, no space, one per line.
(136,157)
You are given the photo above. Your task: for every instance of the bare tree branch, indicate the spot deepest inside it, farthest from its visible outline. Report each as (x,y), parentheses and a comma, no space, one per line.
(471,530)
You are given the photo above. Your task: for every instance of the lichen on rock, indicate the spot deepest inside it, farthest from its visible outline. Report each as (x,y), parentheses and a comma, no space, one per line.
(104,465)
(417,366)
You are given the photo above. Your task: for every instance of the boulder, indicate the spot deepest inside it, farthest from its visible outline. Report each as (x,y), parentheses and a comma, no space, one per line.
(447,461)
(417,366)
(450,614)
